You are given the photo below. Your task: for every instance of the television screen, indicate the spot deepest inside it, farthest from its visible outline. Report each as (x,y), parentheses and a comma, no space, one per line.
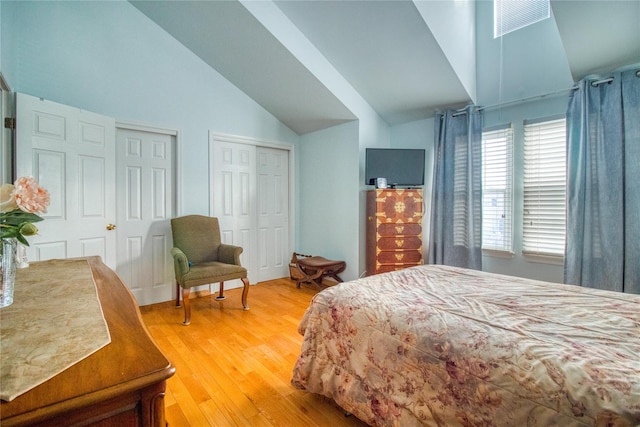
(400,166)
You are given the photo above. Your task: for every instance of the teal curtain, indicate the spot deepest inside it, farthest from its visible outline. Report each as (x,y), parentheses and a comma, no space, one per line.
(603,184)
(456,203)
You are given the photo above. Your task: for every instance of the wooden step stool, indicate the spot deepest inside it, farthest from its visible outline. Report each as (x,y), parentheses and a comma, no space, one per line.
(312,269)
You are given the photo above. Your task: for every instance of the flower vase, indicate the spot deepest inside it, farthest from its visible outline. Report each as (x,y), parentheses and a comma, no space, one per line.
(8,270)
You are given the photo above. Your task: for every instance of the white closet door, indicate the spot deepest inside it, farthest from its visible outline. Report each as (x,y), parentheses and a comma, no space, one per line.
(272,213)
(233,176)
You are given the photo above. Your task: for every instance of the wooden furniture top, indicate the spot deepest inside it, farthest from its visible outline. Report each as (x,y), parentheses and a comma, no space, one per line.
(130,362)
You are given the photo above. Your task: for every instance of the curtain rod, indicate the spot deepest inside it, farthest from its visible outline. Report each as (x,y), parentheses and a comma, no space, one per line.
(599,82)
(531,98)
(605,80)
(517,101)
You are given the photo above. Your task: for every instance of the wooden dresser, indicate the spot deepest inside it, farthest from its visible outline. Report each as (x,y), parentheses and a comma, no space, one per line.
(122,384)
(394,229)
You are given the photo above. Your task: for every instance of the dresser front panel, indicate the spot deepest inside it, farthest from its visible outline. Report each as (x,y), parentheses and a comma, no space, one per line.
(394,229)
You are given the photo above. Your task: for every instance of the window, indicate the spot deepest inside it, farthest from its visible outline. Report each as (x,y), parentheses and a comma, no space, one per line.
(544,188)
(467,210)
(511,15)
(497,189)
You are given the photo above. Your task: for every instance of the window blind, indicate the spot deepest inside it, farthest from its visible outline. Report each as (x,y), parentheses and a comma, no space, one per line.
(460,193)
(544,188)
(511,15)
(497,189)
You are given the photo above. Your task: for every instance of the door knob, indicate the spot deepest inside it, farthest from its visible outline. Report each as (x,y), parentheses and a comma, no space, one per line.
(111,227)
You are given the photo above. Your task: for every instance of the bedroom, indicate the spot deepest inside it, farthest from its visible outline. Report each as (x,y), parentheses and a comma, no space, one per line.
(94,72)
(124,57)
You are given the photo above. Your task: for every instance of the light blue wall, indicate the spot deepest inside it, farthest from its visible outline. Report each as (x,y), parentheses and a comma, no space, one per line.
(453,24)
(329,195)
(108,58)
(373,133)
(419,134)
(533,57)
(332,203)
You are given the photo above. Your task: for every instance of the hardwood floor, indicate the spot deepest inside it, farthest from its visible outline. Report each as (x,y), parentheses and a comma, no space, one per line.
(233,367)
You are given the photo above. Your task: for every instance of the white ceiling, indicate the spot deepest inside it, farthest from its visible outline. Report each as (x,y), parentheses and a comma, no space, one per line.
(394,54)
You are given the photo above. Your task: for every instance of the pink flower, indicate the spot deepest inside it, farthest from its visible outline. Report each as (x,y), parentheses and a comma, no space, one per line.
(29,196)
(19,204)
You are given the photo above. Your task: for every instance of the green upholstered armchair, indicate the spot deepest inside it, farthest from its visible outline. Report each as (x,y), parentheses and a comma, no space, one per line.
(200,258)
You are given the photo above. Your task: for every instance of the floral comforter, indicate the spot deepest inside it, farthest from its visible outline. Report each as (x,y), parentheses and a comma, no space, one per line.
(444,346)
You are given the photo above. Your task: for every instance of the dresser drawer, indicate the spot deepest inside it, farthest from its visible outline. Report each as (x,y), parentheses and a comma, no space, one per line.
(385,268)
(403,242)
(399,257)
(392,230)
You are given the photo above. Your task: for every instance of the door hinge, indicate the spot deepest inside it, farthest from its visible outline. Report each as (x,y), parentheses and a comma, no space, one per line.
(9,123)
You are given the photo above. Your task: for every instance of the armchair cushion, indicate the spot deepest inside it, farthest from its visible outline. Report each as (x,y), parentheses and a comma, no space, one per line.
(202,274)
(189,274)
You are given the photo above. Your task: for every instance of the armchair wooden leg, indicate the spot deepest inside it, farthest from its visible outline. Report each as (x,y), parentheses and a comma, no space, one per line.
(177,295)
(245,292)
(187,306)
(221,296)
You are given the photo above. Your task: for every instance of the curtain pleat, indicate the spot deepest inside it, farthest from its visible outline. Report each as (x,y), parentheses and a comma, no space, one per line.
(456,205)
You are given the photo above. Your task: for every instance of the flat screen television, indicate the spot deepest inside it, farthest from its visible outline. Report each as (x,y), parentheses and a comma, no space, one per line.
(400,166)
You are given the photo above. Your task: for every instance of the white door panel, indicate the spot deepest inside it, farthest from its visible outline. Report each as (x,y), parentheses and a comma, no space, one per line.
(273,213)
(145,207)
(233,185)
(70,152)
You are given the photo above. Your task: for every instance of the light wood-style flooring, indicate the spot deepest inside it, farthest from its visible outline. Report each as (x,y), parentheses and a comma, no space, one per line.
(233,367)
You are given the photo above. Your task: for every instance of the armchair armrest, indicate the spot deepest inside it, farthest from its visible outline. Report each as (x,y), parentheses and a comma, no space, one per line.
(180,262)
(229,254)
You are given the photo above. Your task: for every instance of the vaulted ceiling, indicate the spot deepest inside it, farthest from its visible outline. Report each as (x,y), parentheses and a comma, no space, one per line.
(405,58)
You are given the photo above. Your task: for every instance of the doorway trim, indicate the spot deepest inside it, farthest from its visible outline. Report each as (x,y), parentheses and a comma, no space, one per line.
(7,145)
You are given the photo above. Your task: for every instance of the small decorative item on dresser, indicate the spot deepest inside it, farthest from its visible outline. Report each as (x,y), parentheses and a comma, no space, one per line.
(19,205)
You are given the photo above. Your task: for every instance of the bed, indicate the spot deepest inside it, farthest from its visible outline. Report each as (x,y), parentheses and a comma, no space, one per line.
(445,346)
